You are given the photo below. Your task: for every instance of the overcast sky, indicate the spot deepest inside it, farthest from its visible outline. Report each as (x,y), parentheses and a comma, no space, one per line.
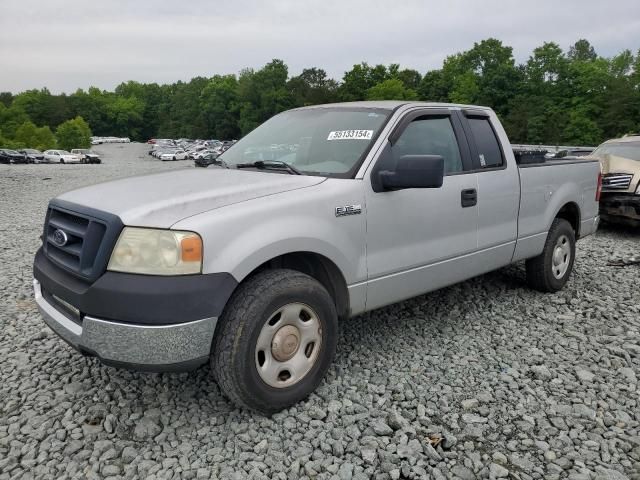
(70,44)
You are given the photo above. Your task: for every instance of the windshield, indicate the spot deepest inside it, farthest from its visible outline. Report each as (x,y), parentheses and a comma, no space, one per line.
(630,150)
(317,141)
(63,152)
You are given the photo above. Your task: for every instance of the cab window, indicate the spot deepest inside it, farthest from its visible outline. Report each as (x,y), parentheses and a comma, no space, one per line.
(430,136)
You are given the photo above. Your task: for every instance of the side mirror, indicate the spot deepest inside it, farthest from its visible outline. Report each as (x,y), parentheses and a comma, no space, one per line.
(414,171)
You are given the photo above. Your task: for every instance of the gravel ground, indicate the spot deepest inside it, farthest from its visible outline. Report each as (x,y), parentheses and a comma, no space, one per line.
(485,379)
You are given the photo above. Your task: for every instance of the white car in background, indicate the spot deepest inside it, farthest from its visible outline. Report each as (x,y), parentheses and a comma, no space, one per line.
(177,155)
(61,156)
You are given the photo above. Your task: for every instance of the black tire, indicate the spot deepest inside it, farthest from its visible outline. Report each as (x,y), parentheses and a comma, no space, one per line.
(540,269)
(62,160)
(233,360)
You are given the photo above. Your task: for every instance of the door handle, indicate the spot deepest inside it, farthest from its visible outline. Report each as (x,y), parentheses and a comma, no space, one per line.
(468,197)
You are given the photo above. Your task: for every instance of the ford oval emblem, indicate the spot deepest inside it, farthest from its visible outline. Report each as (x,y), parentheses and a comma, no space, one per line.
(60,238)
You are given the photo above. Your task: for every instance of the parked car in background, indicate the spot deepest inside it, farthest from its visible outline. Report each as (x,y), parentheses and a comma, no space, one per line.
(175,155)
(11,156)
(34,156)
(61,156)
(620,162)
(101,140)
(86,155)
(206,160)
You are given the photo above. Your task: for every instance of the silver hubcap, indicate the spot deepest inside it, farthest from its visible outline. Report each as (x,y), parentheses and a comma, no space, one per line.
(561,257)
(288,345)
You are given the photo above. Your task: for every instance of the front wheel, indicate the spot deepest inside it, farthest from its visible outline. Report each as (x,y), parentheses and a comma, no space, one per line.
(275,340)
(550,271)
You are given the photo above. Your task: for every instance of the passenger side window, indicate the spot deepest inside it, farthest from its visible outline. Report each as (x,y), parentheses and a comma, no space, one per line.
(430,136)
(489,153)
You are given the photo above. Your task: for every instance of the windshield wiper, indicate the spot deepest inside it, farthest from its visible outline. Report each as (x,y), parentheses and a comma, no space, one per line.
(271,164)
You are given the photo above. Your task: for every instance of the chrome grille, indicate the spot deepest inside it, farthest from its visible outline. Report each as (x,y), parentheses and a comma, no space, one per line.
(616,181)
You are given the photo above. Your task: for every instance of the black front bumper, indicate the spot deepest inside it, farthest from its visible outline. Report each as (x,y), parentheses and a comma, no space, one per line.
(139,299)
(620,207)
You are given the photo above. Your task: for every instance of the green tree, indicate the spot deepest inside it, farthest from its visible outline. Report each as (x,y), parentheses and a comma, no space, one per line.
(6,98)
(392,89)
(262,94)
(410,78)
(73,133)
(433,87)
(312,87)
(582,50)
(581,129)
(29,136)
(125,115)
(219,104)
(10,119)
(357,81)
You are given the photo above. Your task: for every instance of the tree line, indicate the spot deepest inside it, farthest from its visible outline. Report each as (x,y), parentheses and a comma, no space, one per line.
(556,97)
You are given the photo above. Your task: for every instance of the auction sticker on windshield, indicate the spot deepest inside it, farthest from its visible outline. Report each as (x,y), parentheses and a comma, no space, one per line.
(350,135)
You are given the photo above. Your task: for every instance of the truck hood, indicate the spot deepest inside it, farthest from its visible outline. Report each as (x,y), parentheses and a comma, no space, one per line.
(162,199)
(615,164)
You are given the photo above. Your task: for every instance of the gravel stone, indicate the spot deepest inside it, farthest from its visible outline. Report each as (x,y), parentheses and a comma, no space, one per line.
(146,428)
(396,421)
(497,471)
(538,385)
(499,458)
(381,428)
(470,403)
(585,375)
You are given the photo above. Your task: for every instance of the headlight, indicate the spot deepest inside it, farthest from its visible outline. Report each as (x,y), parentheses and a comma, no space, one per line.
(157,252)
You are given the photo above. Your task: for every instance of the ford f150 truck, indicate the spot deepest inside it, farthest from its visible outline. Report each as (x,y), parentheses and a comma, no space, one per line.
(319,214)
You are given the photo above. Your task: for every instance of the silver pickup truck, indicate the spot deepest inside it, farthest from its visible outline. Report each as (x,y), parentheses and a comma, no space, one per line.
(320,214)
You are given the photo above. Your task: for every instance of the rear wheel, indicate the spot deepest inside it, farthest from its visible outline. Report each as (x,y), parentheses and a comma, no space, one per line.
(275,340)
(550,271)
(62,160)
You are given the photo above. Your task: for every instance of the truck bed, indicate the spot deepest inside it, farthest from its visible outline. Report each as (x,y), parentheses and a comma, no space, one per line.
(544,191)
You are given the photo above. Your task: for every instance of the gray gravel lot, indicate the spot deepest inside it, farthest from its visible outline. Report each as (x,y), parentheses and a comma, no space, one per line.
(485,379)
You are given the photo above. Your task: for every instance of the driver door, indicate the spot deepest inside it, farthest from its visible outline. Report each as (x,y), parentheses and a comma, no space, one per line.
(421,239)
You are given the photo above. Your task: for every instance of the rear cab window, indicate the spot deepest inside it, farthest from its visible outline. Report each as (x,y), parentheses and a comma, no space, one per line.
(488,153)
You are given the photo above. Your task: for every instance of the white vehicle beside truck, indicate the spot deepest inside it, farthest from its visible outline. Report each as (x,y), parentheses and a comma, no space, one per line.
(251,266)
(61,156)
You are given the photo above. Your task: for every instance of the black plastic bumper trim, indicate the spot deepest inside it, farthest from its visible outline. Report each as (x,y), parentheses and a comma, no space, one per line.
(140,299)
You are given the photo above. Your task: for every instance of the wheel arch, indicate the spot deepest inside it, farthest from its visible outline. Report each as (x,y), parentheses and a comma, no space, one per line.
(317,266)
(570,212)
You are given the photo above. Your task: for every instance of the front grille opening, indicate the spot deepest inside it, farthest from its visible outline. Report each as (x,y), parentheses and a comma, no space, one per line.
(81,252)
(66,259)
(616,181)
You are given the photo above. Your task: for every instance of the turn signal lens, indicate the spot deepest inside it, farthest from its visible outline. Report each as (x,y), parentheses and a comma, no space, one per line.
(191,248)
